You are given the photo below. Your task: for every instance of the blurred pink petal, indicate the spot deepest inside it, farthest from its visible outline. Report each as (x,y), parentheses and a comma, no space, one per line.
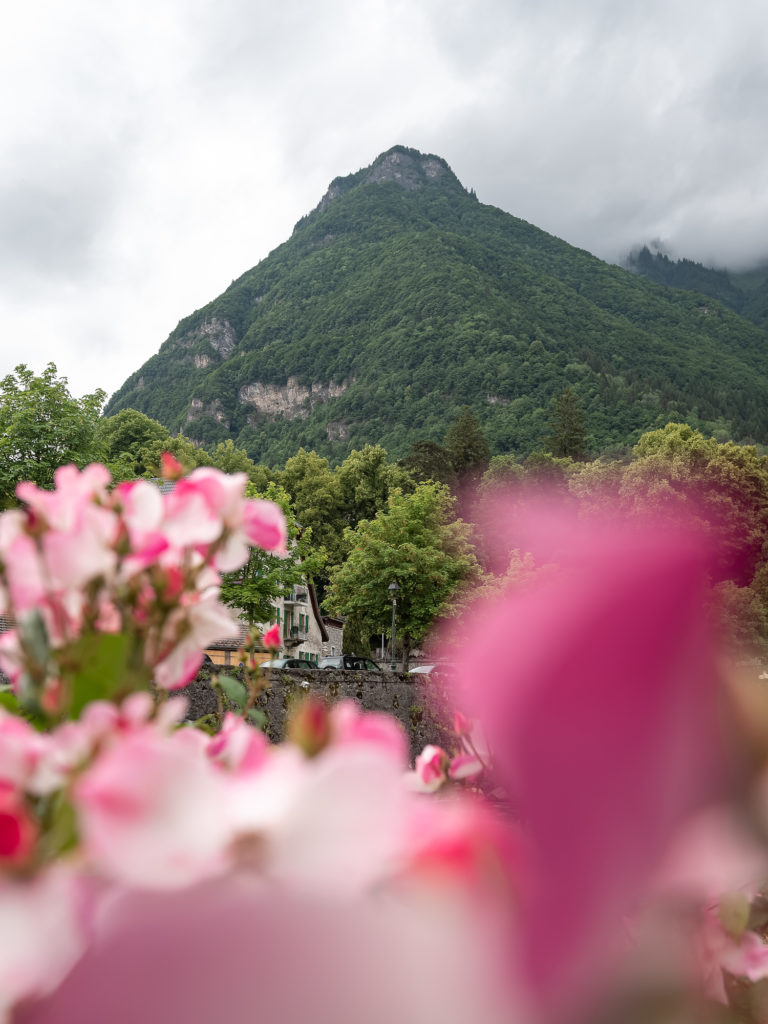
(350,725)
(748,958)
(713,852)
(272,637)
(602,720)
(41,934)
(264,525)
(196,624)
(238,747)
(332,823)
(151,811)
(465,766)
(235,952)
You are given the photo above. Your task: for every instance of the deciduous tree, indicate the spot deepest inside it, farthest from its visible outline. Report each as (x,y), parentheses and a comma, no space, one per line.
(42,427)
(414,542)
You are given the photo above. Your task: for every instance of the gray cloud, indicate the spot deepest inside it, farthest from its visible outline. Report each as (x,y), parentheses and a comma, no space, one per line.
(153,152)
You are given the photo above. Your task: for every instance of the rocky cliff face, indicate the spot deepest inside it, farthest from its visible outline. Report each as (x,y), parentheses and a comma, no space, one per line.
(405,167)
(219,334)
(291,400)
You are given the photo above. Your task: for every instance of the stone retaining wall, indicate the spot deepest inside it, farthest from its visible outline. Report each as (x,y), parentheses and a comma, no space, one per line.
(415,700)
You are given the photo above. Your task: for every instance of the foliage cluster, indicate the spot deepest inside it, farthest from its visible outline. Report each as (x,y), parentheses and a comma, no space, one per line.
(42,427)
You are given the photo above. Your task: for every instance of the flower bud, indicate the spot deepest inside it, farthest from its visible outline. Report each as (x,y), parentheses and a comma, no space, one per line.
(309,726)
(18,830)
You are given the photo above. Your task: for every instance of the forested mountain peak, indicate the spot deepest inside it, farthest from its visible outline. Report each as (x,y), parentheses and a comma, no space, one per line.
(400,299)
(406,167)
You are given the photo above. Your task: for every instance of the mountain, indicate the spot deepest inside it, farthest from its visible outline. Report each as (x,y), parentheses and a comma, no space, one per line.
(746,292)
(402,298)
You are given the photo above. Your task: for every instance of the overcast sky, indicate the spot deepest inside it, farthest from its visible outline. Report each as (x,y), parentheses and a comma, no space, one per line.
(151,151)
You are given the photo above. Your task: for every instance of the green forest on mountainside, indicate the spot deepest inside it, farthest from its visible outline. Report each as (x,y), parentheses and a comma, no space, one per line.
(420,301)
(746,292)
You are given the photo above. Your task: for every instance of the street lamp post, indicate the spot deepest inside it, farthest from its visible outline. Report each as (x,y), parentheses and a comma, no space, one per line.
(393,590)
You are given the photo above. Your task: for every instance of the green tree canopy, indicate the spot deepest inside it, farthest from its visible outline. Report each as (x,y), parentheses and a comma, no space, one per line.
(125,439)
(366,479)
(677,470)
(230,459)
(316,497)
(504,471)
(43,427)
(414,542)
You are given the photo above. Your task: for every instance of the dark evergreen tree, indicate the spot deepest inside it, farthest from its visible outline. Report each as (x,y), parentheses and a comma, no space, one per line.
(427,460)
(467,446)
(567,425)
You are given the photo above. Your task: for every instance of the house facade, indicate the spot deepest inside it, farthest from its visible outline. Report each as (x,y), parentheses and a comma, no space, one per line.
(304,632)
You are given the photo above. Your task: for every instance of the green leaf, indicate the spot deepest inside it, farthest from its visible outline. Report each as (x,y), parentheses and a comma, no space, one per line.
(208,724)
(61,831)
(34,636)
(100,669)
(257,717)
(234,689)
(9,701)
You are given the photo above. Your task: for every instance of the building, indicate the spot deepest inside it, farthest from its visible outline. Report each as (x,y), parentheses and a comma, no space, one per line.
(304,632)
(302,628)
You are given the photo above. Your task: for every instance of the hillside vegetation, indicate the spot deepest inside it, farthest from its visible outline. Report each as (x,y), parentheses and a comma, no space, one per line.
(746,292)
(401,299)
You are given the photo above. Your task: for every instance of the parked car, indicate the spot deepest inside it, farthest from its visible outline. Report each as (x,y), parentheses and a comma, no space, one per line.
(349,661)
(426,670)
(285,663)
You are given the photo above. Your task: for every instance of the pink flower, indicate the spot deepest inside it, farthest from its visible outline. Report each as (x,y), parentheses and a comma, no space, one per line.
(238,747)
(189,517)
(333,823)
(141,512)
(430,771)
(264,526)
(21,749)
(463,842)
(78,542)
(190,629)
(25,575)
(151,811)
(462,725)
(465,766)
(207,955)
(604,726)
(18,829)
(350,725)
(74,491)
(170,467)
(309,725)
(271,638)
(747,958)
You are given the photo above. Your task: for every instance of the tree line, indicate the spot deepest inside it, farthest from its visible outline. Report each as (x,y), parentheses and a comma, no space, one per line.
(372,521)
